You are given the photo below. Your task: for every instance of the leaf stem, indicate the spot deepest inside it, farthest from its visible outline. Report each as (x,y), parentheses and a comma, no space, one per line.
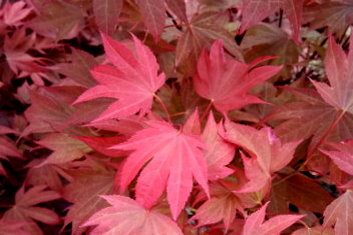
(164,107)
(323,138)
(207,110)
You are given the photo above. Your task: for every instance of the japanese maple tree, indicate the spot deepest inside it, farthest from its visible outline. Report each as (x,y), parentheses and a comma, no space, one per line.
(147,117)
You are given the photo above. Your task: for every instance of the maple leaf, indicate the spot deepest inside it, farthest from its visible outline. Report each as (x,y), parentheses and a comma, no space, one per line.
(255,224)
(339,71)
(103,144)
(13,14)
(268,153)
(339,213)
(299,190)
(25,209)
(93,183)
(7,148)
(106,14)
(50,175)
(52,23)
(13,227)
(65,149)
(218,153)
(16,53)
(309,116)
(178,7)
(222,205)
(79,68)
(343,156)
(226,82)
(267,39)
(174,159)
(154,15)
(336,15)
(202,31)
(254,11)
(317,230)
(126,216)
(133,80)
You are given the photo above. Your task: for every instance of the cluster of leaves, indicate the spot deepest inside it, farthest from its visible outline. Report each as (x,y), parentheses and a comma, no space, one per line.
(176,117)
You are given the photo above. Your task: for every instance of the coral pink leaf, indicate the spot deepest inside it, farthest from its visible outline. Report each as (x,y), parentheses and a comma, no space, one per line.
(133,80)
(268,153)
(176,158)
(218,153)
(339,213)
(226,82)
(339,71)
(126,216)
(255,224)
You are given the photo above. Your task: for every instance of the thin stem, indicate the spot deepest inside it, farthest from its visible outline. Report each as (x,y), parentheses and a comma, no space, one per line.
(280,18)
(205,114)
(177,114)
(285,178)
(164,107)
(323,138)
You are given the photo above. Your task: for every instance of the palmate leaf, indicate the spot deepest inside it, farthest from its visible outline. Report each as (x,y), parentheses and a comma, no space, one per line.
(222,205)
(226,82)
(126,216)
(254,11)
(310,116)
(106,14)
(339,70)
(339,213)
(174,159)
(26,211)
(336,15)
(218,153)
(268,154)
(255,224)
(202,31)
(342,156)
(133,80)
(84,193)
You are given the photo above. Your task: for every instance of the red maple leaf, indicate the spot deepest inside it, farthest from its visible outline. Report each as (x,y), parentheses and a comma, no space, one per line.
(226,82)
(339,70)
(254,11)
(133,80)
(268,153)
(173,157)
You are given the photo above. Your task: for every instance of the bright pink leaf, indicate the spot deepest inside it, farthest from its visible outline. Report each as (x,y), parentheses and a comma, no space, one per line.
(226,82)
(133,80)
(255,224)
(173,157)
(126,216)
